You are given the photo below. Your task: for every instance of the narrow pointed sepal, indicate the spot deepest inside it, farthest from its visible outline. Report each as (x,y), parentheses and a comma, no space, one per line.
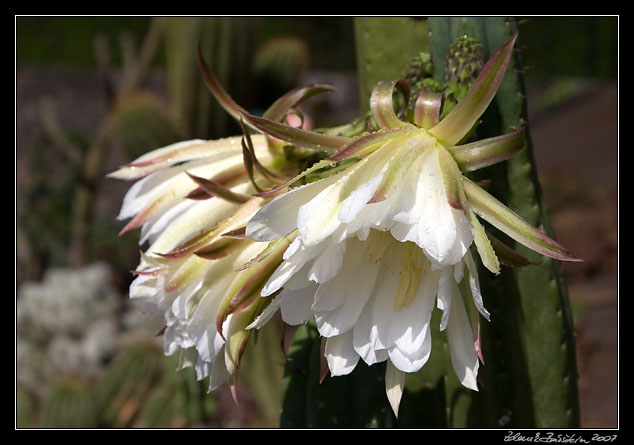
(394,386)
(323,164)
(508,257)
(427,109)
(367,143)
(497,214)
(452,179)
(213,188)
(214,86)
(251,161)
(284,104)
(398,166)
(461,119)
(323,363)
(483,244)
(234,391)
(232,226)
(220,248)
(296,136)
(248,283)
(382,106)
(271,248)
(486,152)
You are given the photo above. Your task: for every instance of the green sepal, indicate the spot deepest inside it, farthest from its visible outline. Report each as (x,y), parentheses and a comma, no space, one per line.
(427,109)
(223,98)
(213,188)
(228,225)
(486,152)
(483,244)
(220,248)
(509,222)
(461,119)
(281,106)
(508,257)
(296,136)
(245,289)
(382,106)
(368,143)
(452,178)
(397,168)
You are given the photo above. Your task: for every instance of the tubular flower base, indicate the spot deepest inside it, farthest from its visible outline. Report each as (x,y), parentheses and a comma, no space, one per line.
(379,240)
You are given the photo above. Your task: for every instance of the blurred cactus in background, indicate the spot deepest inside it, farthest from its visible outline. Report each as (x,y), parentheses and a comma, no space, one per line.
(85,360)
(66,325)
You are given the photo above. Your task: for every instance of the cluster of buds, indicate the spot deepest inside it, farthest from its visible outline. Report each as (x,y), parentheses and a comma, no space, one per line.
(366,238)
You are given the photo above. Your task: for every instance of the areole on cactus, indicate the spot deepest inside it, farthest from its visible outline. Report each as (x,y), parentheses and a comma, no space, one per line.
(365,233)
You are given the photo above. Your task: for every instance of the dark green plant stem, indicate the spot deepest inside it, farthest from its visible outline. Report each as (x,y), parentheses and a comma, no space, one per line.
(529,378)
(530,370)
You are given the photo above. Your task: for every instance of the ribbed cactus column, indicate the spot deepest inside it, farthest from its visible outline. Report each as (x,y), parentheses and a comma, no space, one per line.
(528,378)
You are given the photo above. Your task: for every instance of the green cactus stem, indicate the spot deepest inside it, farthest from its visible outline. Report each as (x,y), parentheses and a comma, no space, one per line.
(465,58)
(528,378)
(70,404)
(530,367)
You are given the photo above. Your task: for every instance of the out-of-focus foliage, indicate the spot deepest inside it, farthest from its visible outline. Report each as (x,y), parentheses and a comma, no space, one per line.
(570,46)
(65,379)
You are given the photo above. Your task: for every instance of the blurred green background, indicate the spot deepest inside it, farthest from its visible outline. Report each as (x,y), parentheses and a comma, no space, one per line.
(92,93)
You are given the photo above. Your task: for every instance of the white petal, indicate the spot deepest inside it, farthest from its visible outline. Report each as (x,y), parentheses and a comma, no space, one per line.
(405,232)
(474,284)
(281,275)
(203,368)
(136,198)
(394,386)
(279,217)
(352,189)
(295,306)
(158,192)
(185,151)
(358,199)
(152,229)
(267,313)
(412,360)
(317,219)
(363,341)
(180,304)
(149,159)
(296,244)
(411,325)
(202,216)
(464,357)
(436,224)
(464,238)
(343,318)
(218,374)
(371,332)
(144,286)
(445,295)
(404,200)
(340,355)
(332,294)
(328,263)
